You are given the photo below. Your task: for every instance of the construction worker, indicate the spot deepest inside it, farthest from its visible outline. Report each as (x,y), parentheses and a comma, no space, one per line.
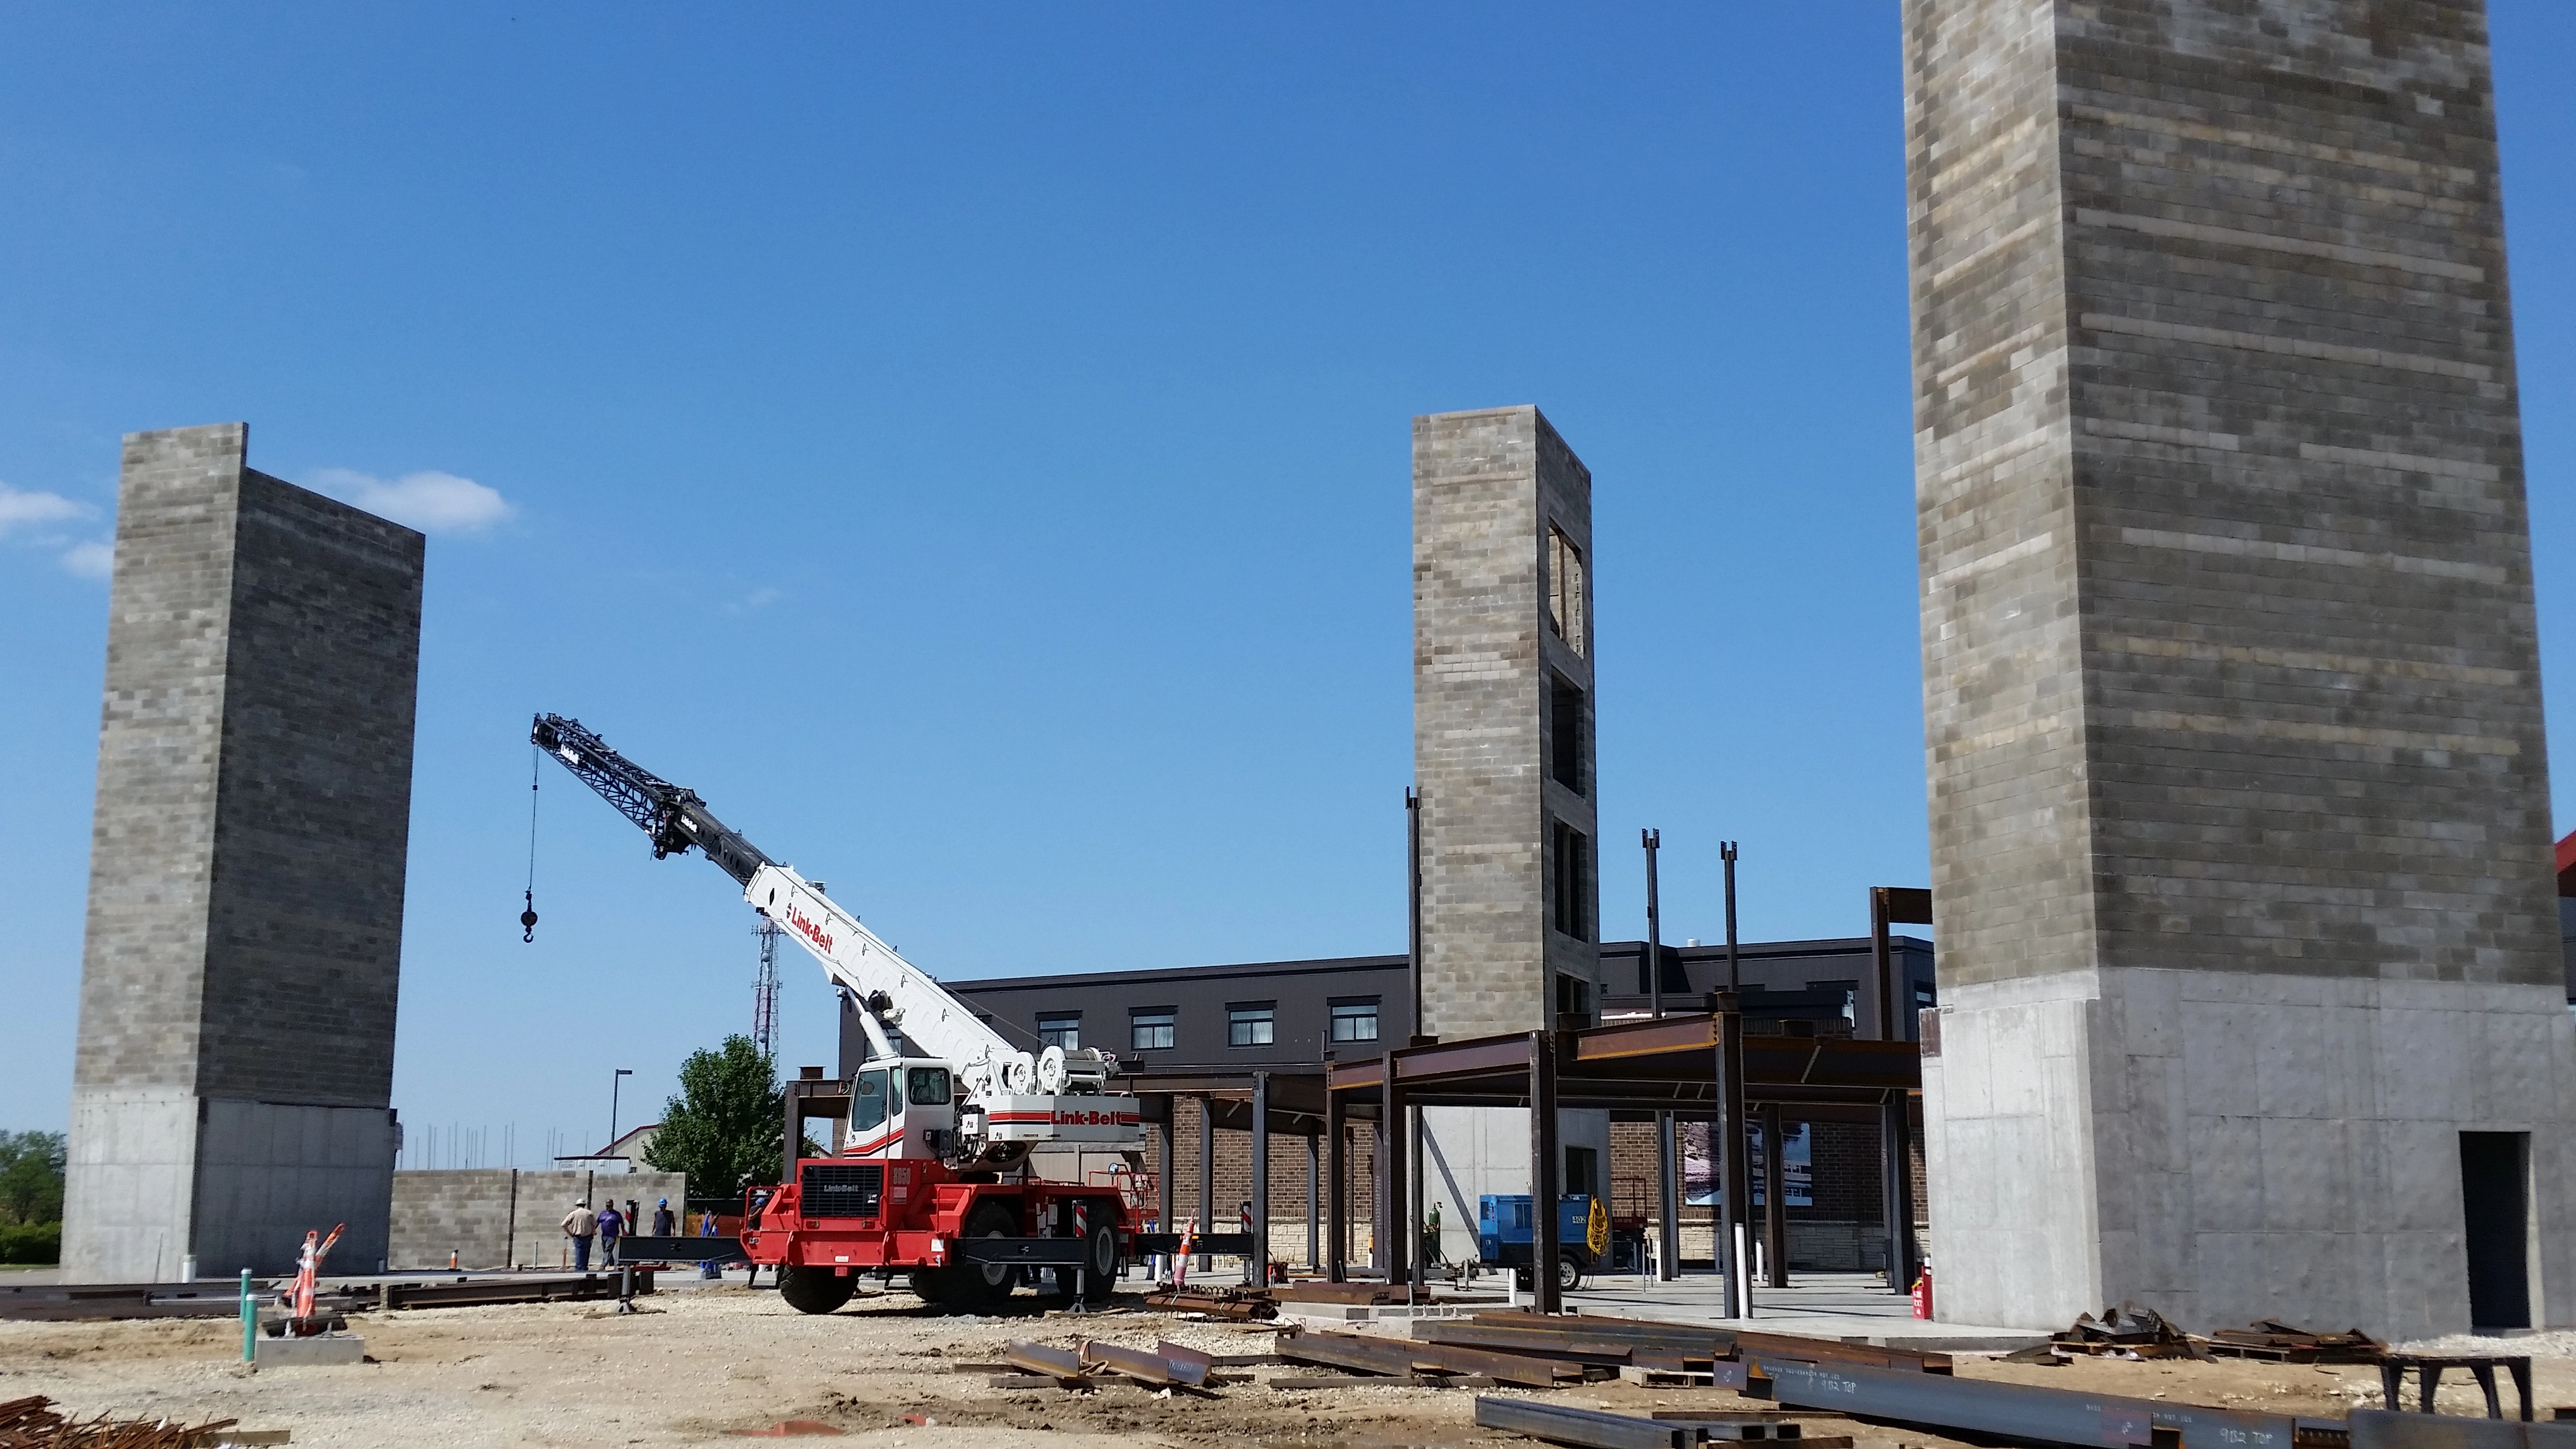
(612,1226)
(1431,1256)
(707,1229)
(578,1225)
(664,1226)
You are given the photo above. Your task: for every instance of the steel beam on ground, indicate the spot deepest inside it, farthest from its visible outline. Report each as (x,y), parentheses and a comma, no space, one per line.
(1543,1174)
(1587,1428)
(2382,1429)
(2027,1412)
(1061,1364)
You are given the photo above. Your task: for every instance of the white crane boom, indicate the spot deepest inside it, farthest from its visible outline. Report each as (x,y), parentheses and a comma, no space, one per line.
(1012,1099)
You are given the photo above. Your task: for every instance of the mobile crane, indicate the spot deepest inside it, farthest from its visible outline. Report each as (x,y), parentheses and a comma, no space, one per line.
(931,1179)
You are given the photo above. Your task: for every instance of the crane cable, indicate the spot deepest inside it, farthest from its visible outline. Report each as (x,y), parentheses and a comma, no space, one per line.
(528,917)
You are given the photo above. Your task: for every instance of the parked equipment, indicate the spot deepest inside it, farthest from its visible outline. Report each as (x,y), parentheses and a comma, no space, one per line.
(1504,1235)
(931,1178)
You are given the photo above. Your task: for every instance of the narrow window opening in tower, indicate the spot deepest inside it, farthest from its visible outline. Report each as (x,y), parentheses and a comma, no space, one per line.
(1572,850)
(1564,588)
(1565,734)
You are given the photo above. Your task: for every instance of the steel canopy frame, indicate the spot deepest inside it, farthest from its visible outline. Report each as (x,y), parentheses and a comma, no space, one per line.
(1671,1063)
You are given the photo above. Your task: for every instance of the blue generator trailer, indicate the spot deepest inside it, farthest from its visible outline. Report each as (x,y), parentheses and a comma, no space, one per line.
(1505,1235)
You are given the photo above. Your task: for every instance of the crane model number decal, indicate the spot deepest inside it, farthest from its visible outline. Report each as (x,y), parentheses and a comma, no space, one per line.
(805,926)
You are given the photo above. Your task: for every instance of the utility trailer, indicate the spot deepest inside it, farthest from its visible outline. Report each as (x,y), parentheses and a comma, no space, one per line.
(1506,1238)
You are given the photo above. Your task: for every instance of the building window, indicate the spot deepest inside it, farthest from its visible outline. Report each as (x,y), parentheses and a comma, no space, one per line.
(1150,1029)
(1564,588)
(1060,1029)
(1850,993)
(1572,849)
(1251,1025)
(1565,734)
(1573,996)
(1355,1020)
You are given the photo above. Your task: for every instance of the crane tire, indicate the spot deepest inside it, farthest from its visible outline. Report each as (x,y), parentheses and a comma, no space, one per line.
(985,1286)
(814,1290)
(1100,1278)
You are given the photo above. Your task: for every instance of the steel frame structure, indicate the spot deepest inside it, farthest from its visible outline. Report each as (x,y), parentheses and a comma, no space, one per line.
(1706,1063)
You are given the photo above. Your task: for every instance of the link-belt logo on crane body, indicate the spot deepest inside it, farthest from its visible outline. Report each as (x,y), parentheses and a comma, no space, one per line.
(806,927)
(1066,1118)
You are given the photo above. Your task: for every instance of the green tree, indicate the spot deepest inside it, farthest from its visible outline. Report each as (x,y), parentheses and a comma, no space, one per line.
(727,1126)
(31,1177)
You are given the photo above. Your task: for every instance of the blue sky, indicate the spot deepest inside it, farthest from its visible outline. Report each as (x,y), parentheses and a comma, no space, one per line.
(969,446)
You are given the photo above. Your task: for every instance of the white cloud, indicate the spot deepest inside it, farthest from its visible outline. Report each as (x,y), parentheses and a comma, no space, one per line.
(759,598)
(95,559)
(432,502)
(19,506)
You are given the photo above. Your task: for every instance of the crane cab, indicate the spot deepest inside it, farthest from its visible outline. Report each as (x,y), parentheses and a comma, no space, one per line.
(902,1109)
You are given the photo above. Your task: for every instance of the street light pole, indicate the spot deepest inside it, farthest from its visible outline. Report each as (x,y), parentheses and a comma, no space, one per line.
(614,1083)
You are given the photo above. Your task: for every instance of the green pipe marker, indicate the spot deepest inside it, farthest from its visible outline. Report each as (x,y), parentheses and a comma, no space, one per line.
(250,1322)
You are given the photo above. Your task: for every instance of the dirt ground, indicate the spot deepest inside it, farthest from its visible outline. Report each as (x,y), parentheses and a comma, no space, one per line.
(693,1365)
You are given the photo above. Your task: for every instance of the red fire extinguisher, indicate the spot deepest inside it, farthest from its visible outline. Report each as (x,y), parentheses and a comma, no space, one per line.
(1923,1293)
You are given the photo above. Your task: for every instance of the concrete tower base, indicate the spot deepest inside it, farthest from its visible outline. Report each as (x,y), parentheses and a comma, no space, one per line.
(157,1174)
(2223,1146)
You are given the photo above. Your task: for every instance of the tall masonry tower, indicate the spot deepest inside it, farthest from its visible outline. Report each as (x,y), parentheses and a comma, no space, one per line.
(1503,756)
(2251,999)
(232,1081)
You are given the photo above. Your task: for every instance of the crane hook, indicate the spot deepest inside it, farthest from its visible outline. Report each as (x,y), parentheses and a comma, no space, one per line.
(528,919)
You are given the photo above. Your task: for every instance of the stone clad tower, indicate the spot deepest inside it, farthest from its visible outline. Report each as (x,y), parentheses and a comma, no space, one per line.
(1503,756)
(2251,999)
(232,1080)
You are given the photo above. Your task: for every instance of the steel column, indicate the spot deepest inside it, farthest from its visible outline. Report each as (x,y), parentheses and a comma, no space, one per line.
(1544,1188)
(1257,1265)
(1419,1266)
(1896,1191)
(1775,1200)
(1314,1261)
(1726,1138)
(1394,1237)
(1878,962)
(1337,1189)
(1171,1170)
(1207,1173)
(1667,1194)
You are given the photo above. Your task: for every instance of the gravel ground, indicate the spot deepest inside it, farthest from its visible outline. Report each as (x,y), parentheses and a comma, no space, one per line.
(693,1366)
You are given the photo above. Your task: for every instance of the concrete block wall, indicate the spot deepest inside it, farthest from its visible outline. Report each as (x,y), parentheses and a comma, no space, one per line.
(499,1217)
(232,1073)
(1503,573)
(1487,488)
(2238,792)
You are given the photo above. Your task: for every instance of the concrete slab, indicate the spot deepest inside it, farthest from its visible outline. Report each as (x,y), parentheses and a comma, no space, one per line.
(322,1349)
